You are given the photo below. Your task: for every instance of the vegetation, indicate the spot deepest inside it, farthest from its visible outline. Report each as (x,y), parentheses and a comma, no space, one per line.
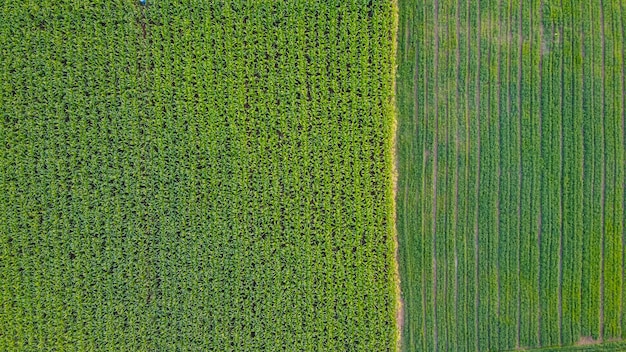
(208,175)
(512,157)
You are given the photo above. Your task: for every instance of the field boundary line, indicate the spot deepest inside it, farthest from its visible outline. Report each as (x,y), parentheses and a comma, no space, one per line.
(399,306)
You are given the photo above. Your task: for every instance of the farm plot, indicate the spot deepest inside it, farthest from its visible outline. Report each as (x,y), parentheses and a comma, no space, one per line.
(208,175)
(511,160)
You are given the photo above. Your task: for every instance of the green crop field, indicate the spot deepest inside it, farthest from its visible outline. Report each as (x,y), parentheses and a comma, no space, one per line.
(511,161)
(197,175)
(226,175)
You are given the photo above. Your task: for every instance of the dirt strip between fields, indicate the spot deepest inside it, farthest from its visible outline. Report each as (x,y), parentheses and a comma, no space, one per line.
(399,304)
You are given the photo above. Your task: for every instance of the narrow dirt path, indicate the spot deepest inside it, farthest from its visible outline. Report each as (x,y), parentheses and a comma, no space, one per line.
(399,304)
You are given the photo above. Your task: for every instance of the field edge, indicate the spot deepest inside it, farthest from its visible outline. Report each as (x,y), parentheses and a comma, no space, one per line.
(399,306)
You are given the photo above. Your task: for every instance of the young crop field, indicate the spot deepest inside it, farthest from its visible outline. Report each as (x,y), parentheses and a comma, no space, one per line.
(511,161)
(206,176)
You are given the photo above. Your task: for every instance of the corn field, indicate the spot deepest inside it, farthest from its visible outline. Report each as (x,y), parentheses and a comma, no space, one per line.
(196,175)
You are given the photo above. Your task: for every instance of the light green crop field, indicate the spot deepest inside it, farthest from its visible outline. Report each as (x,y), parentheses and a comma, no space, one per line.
(197,175)
(512,156)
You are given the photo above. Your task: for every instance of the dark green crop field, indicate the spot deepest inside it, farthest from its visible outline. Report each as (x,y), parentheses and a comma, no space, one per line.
(512,169)
(204,176)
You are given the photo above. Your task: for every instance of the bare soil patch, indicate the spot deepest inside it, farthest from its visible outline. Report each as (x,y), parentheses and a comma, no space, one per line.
(587,340)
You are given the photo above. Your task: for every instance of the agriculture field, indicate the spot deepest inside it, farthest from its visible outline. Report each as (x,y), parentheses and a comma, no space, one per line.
(511,161)
(206,176)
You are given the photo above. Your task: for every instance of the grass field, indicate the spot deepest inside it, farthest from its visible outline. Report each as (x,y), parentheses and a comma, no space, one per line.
(512,158)
(206,176)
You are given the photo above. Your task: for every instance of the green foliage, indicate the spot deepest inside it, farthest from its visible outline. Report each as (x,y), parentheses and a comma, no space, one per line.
(511,173)
(211,175)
